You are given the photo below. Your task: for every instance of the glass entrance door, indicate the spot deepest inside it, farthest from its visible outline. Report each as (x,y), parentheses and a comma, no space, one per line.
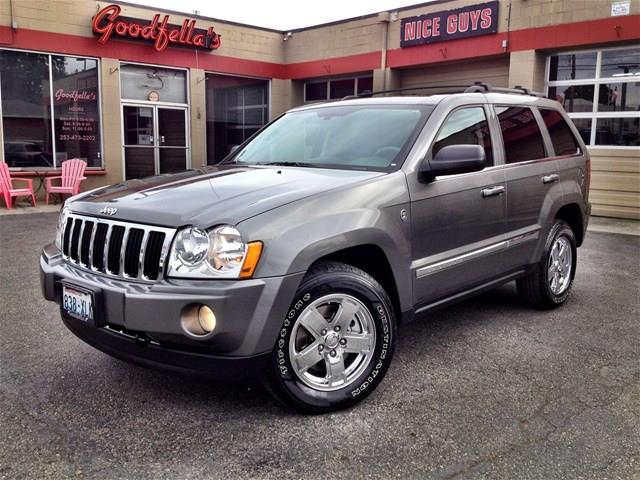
(155,140)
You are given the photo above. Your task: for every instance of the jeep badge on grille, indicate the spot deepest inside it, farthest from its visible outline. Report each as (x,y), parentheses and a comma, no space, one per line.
(111,211)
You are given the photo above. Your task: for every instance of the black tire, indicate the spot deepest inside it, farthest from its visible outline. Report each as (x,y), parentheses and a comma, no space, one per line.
(535,288)
(322,280)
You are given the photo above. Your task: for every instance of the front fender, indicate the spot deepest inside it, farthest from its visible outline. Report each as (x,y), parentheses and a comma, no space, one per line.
(298,234)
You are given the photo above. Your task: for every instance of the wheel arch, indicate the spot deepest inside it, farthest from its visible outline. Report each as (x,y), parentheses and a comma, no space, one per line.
(371,259)
(572,214)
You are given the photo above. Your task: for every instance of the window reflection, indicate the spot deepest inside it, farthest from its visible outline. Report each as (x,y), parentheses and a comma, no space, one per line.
(237,108)
(26,110)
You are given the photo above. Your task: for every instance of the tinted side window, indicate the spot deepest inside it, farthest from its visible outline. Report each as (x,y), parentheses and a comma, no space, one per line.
(562,138)
(467,126)
(521,134)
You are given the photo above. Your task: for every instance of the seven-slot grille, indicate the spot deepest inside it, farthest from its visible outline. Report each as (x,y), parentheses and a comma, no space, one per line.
(118,249)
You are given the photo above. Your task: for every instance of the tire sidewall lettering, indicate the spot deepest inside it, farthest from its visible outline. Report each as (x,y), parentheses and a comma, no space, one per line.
(371,376)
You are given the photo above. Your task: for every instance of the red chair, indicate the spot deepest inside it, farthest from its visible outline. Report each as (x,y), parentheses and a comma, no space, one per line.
(72,175)
(7,189)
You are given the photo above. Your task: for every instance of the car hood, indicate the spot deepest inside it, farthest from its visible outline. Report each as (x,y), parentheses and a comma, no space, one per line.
(211,195)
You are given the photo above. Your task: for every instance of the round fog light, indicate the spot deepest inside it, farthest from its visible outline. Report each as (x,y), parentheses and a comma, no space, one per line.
(198,320)
(206,318)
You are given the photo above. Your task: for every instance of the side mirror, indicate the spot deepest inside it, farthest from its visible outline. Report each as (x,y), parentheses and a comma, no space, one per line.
(454,159)
(233,148)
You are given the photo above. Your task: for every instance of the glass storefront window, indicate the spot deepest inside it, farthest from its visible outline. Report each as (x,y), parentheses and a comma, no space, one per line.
(365,84)
(573,66)
(341,88)
(141,82)
(236,108)
(76,109)
(32,85)
(314,91)
(26,109)
(618,131)
(619,97)
(620,63)
(601,91)
(574,98)
(336,88)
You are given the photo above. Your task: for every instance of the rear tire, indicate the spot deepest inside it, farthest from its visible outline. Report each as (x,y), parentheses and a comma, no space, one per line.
(336,343)
(549,284)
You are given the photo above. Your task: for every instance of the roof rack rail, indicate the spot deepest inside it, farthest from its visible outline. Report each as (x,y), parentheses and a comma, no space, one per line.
(477,87)
(366,94)
(483,87)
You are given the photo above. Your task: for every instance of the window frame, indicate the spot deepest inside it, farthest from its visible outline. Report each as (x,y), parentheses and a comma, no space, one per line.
(100,116)
(594,115)
(492,134)
(576,138)
(546,138)
(269,117)
(327,81)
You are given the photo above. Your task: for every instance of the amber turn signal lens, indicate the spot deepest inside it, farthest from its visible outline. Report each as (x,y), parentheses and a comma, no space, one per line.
(251,259)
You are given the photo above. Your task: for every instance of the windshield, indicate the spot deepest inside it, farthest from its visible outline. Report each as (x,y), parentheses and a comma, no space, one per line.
(363,137)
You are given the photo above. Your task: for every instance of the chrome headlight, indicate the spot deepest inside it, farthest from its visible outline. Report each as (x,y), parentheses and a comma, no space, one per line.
(217,253)
(62,220)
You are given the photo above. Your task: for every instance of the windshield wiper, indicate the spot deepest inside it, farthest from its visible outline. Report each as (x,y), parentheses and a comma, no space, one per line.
(288,164)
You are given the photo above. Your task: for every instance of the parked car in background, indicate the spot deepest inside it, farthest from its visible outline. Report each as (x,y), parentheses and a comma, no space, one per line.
(296,257)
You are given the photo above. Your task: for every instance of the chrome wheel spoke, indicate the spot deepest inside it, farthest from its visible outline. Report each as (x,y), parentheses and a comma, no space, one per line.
(335,371)
(313,321)
(560,265)
(346,311)
(344,344)
(358,343)
(307,358)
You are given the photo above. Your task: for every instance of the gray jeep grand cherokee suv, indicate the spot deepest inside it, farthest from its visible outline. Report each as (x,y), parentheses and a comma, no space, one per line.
(298,255)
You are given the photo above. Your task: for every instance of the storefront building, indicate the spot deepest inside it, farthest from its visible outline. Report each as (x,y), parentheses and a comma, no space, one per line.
(135,91)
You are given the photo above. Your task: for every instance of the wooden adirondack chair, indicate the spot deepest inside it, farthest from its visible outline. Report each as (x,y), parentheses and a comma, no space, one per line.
(72,175)
(8,190)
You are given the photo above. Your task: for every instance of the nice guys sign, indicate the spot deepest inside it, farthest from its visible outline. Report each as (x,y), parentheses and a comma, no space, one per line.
(462,22)
(108,24)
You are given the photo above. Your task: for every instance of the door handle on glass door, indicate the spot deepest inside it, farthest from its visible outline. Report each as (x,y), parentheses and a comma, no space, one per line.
(492,191)
(550,178)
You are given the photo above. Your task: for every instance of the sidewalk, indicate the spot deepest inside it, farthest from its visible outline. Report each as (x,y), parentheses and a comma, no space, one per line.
(24,208)
(614,225)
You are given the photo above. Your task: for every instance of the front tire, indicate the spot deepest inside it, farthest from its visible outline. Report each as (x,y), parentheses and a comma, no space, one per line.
(549,284)
(337,340)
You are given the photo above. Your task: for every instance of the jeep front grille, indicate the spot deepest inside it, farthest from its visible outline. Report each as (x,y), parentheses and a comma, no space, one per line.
(117,249)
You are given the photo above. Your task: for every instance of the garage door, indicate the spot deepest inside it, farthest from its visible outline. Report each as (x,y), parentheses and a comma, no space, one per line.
(494,71)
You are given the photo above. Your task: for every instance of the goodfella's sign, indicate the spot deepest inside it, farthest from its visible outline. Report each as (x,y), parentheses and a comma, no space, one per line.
(108,23)
(462,22)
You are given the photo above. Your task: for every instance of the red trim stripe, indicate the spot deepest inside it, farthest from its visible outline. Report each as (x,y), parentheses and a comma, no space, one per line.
(136,52)
(334,66)
(592,32)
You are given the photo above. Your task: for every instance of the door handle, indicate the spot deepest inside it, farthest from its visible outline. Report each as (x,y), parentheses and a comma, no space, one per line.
(492,191)
(550,178)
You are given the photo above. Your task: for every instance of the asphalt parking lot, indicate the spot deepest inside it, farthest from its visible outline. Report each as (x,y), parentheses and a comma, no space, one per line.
(485,389)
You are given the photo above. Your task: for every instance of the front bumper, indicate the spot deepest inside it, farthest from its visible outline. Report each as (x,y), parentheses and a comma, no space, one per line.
(141,322)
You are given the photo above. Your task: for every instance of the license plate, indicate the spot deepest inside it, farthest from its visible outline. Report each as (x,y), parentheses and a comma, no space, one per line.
(77,304)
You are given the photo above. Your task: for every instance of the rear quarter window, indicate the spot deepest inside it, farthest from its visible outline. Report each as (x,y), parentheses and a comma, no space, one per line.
(520,133)
(562,138)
